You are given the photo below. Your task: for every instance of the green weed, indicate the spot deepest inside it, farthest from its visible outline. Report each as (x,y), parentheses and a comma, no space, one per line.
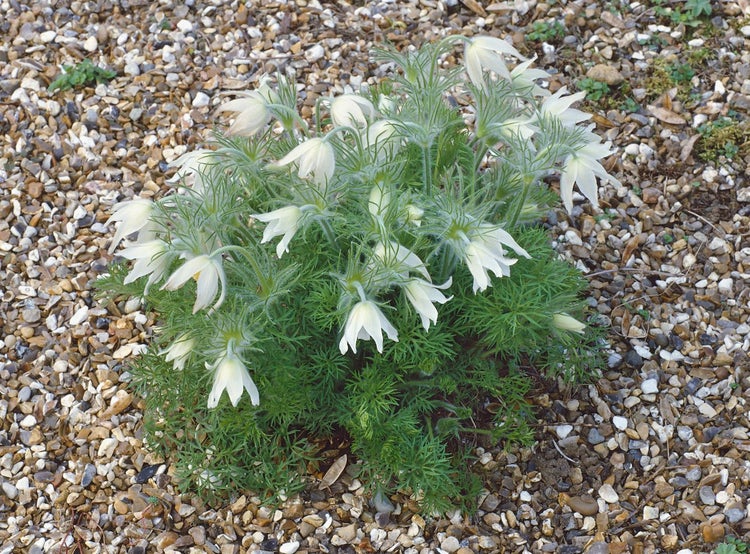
(83,74)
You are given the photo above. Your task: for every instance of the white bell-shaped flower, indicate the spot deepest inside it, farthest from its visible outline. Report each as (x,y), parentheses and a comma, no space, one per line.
(134,217)
(231,375)
(566,322)
(351,110)
(209,272)
(582,168)
(284,221)
(365,322)
(484,252)
(314,157)
(151,258)
(423,295)
(179,351)
(252,111)
(488,53)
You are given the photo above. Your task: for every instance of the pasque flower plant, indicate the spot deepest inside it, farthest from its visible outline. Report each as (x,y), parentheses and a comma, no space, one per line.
(376,271)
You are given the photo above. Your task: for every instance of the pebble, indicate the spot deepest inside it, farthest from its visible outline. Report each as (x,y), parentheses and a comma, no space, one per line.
(650,386)
(289,547)
(201,100)
(620,423)
(314,53)
(584,505)
(450,544)
(735,515)
(91,44)
(563,431)
(608,494)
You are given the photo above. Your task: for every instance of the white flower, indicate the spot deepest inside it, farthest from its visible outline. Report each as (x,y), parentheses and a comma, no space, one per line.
(400,258)
(487,53)
(230,374)
(582,168)
(315,157)
(366,321)
(284,221)
(151,258)
(192,163)
(559,107)
(380,133)
(524,77)
(422,294)
(209,272)
(134,216)
(179,351)
(351,110)
(252,110)
(484,252)
(567,323)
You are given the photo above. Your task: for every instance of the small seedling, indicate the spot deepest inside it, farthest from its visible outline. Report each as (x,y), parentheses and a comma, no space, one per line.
(681,73)
(732,545)
(629,105)
(83,74)
(595,90)
(546,31)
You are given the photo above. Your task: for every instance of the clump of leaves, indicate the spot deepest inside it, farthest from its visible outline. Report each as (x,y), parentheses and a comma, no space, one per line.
(692,14)
(733,545)
(595,90)
(83,74)
(546,31)
(723,137)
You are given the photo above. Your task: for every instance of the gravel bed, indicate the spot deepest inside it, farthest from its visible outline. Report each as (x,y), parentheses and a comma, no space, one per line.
(652,457)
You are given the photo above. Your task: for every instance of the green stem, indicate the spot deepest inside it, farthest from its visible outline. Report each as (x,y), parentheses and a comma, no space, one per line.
(328,230)
(427,169)
(520,204)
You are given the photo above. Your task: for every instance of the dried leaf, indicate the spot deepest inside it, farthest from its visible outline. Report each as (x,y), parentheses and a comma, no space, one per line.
(602,121)
(665,115)
(630,248)
(333,473)
(611,19)
(687,148)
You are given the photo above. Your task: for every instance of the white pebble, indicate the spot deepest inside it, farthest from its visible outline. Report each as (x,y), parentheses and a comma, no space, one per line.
(632,149)
(132,68)
(620,423)
(314,53)
(289,547)
(649,512)
(107,447)
(10,490)
(91,44)
(745,30)
(184,25)
(201,100)
(608,494)
(726,286)
(48,36)
(563,431)
(28,421)
(79,317)
(650,386)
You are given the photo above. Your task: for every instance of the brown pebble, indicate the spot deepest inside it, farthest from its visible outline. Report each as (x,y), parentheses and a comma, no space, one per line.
(584,505)
(712,532)
(35,189)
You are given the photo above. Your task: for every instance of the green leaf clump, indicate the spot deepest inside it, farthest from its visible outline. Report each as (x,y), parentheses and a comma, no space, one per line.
(82,74)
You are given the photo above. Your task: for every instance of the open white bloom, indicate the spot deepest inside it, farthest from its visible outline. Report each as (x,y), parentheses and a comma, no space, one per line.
(484,252)
(151,258)
(134,216)
(314,157)
(582,168)
(558,106)
(209,272)
(567,323)
(400,258)
(351,110)
(230,374)
(487,53)
(192,164)
(366,321)
(252,111)
(179,351)
(422,294)
(523,76)
(284,221)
